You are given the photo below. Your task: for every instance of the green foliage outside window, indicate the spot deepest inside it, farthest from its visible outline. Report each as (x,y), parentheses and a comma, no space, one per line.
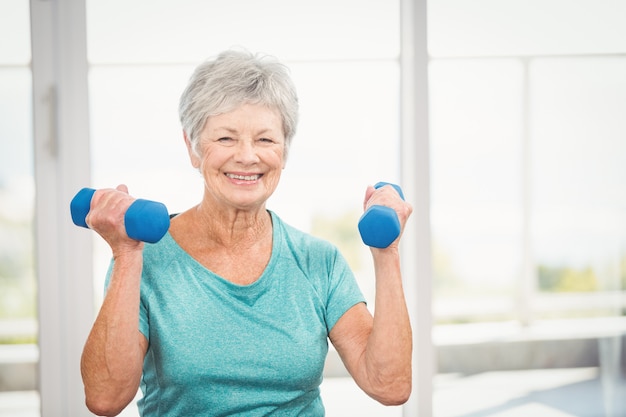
(567,279)
(342,231)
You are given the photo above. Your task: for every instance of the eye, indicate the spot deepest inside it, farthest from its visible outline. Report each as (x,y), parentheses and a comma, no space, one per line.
(266,140)
(225,139)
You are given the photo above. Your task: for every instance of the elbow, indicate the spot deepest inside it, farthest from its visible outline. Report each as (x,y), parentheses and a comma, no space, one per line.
(102,406)
(397,394)
(101,409)
(392,392)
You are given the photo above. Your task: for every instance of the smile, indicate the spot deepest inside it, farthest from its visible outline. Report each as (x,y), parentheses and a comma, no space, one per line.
(244,177)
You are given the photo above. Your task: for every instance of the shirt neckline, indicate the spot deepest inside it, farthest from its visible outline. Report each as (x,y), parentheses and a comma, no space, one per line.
(217,279)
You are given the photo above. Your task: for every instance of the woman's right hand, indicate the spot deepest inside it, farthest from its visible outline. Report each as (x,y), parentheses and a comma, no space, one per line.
(106,217)
(112,360)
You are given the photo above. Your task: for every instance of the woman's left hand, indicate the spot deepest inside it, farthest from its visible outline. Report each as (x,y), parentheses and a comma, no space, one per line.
(388,196)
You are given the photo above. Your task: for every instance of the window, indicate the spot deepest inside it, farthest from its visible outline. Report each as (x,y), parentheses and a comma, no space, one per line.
(528,223)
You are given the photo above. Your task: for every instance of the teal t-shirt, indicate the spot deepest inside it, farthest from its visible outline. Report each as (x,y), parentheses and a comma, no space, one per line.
(221,349)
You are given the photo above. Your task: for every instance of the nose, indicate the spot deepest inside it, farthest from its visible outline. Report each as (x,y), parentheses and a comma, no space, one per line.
(246,152)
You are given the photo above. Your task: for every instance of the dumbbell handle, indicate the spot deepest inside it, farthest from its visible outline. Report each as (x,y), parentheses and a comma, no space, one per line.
(144,220)
(379,225)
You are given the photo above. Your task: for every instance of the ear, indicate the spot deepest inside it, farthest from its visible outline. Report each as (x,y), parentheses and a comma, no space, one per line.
(193,156)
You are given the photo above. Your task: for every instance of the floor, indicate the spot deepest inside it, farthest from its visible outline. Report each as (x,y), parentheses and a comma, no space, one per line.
(546,393)
(575,392)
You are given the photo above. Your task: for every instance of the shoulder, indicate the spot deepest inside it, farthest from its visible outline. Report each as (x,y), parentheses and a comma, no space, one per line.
(160,255)
(299,241)
(316,256)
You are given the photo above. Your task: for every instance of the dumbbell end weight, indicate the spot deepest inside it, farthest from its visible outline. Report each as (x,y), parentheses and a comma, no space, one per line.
(379,226)
(80,205)
(147,221)
(144,220)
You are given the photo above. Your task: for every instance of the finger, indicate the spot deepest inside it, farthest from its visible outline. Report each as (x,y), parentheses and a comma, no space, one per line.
(108,207)
(384,196)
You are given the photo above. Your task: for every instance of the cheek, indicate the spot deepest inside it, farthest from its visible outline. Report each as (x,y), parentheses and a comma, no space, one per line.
(278,164)
(210,159)
(281,157)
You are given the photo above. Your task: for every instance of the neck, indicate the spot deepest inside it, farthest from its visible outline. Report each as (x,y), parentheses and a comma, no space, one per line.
(232,227)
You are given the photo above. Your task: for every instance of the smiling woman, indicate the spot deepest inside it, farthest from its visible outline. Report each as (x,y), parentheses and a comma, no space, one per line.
(275,295)
(237,127)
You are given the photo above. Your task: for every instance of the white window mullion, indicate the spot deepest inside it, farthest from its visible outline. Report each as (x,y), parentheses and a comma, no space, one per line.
(528,280)
(416,246)
(64,255)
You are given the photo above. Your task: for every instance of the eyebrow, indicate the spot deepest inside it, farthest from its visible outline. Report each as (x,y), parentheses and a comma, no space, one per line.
(234,131)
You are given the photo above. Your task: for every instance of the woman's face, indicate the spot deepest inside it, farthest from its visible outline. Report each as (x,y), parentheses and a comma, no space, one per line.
(241,155)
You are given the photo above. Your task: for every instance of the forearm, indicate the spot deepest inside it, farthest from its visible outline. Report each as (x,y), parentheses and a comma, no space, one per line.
(389,347)
(112,359)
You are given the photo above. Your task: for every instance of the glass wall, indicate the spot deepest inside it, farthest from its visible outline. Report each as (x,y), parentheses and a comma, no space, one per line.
(528,213)
(18,324)
(343,56)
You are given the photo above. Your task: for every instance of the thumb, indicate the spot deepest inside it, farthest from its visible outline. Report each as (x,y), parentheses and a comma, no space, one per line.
(123,188)
(368,193)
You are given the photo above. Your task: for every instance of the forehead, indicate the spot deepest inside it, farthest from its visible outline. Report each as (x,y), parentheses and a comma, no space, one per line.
(247,117)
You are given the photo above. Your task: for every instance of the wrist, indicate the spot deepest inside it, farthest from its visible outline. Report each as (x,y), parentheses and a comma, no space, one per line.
(129,253)
(390,252)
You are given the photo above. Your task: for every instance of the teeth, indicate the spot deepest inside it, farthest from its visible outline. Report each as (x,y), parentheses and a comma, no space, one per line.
(244,177)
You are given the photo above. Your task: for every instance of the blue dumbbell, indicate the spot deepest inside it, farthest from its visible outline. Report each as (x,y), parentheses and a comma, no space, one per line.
(144,220)
(379,225)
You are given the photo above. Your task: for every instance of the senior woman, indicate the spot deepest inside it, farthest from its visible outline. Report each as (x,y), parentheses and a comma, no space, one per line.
(231,312)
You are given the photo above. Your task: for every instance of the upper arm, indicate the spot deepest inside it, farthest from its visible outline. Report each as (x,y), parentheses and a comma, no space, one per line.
(373,365)
(349,336)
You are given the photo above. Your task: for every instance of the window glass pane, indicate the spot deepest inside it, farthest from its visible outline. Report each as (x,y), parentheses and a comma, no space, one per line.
(155,31)
(579,175)
(18,286)
(476,132)
(17,279)
(347,77)
(523,27)
(14,26)
(348,135)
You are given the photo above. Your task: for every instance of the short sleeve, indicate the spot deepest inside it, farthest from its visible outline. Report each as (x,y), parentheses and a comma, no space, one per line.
(343,293)
(144,327)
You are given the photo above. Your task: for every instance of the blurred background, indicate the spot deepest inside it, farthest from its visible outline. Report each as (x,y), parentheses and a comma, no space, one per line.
(527,176)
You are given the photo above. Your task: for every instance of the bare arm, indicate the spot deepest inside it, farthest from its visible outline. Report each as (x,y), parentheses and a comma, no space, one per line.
(377,350)
(112,360)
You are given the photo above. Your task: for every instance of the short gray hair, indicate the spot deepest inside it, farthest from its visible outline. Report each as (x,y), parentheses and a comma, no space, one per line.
(234,78)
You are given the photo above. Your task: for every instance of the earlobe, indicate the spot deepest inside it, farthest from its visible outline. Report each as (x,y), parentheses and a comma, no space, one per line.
(193,156)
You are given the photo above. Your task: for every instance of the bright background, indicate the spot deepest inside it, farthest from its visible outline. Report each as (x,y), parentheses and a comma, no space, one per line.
(527,156)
